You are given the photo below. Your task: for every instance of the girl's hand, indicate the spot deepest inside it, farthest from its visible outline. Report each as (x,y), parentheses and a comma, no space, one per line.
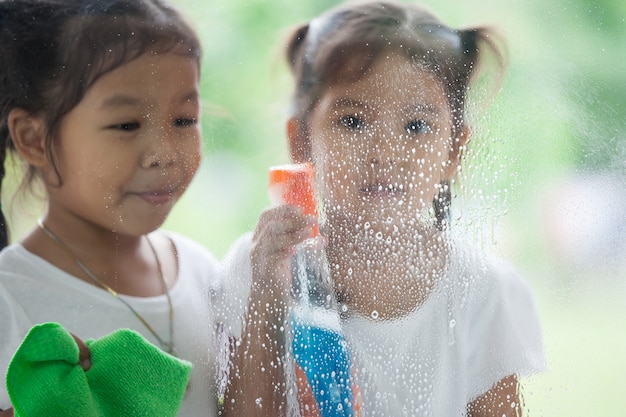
(258,355)
(7,413)
(279,229)
(84,358)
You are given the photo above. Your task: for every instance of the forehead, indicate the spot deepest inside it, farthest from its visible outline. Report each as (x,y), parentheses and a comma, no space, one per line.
(392,81)
(148,76)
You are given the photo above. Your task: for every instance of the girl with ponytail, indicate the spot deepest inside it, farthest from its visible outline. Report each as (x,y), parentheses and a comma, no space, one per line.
(379,108)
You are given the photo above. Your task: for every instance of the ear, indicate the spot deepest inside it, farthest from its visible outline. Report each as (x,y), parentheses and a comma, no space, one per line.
(28,134)
(456,153)
(298,140)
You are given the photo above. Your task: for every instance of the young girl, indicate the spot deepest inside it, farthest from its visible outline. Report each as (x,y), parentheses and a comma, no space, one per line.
(99,101)
(436,329)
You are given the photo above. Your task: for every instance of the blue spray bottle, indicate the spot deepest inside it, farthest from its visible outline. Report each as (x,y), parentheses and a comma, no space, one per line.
(323,370)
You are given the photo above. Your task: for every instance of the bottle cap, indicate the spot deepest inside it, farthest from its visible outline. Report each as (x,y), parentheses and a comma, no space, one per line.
(293,184)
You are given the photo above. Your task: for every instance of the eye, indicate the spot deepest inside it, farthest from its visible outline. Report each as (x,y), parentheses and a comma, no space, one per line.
(419,126)
(185,122)
(352,122)
(127,127)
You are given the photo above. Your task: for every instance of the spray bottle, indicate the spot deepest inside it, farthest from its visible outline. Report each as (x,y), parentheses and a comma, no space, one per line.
(324,374)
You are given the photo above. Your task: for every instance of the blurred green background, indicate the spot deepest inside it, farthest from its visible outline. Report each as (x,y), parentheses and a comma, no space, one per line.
(545,179)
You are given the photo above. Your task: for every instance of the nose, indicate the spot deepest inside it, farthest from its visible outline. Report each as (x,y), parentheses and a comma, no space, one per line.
(161,150)
(379,149)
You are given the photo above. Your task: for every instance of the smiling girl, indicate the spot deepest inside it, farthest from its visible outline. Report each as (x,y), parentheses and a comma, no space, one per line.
(99,101)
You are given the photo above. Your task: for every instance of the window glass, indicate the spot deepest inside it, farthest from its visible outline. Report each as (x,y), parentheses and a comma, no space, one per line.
(545,186)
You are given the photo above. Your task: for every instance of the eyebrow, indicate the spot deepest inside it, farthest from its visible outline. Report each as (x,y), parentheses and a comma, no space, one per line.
(348,102)
(125,100)
(423,108)
(120,100)
(420,107)
(193,95)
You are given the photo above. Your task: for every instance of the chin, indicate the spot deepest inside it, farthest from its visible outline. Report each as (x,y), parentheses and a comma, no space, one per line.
(138,227)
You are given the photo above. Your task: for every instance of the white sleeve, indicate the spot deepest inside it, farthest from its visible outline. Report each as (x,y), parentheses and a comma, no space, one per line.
(507,338)
(235,277)
(14,325)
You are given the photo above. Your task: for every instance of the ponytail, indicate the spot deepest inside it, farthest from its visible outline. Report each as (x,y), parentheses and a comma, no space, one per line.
(296,41)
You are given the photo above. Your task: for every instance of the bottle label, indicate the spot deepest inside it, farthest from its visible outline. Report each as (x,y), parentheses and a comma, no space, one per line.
(324,374)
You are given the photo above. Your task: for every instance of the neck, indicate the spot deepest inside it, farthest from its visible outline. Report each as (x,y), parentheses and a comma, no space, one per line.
(391,276)
(124,263)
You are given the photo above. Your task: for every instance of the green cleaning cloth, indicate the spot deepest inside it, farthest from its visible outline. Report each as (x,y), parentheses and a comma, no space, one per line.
(128,376)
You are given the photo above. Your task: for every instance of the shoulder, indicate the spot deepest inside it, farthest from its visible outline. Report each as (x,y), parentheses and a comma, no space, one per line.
(188,249)
(197,266)
(238,254)
(22,272)
(14,256)
(235,266)
(490,291)
(482,272)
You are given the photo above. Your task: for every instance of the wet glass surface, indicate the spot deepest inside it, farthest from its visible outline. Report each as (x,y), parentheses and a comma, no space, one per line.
(544,183)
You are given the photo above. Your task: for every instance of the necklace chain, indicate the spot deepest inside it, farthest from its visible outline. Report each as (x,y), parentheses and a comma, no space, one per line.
(166,346)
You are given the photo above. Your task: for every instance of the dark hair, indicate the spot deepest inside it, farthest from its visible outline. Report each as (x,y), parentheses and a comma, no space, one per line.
(340,46)
(54,50)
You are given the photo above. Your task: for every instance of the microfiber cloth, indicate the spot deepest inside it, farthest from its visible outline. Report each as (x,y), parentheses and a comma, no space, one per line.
(128,376)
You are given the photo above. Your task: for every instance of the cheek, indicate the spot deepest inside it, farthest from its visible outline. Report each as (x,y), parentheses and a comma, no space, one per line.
(100,167)
(191,154)
(430,159)
(335,167)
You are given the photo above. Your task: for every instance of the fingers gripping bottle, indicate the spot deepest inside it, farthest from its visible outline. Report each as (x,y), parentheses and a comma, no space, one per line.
(323,370)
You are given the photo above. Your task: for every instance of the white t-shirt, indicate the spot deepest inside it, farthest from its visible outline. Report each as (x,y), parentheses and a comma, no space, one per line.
(479,325)
(33,291)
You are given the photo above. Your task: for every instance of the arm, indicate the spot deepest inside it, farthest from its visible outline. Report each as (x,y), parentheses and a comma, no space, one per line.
(503,399)
(7,413)
(257,380)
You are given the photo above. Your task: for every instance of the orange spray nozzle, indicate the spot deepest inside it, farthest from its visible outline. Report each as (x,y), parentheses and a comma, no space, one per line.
(293,184)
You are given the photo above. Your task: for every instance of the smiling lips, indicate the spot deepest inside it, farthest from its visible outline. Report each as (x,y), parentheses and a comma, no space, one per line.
(157,197)
(381,189)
